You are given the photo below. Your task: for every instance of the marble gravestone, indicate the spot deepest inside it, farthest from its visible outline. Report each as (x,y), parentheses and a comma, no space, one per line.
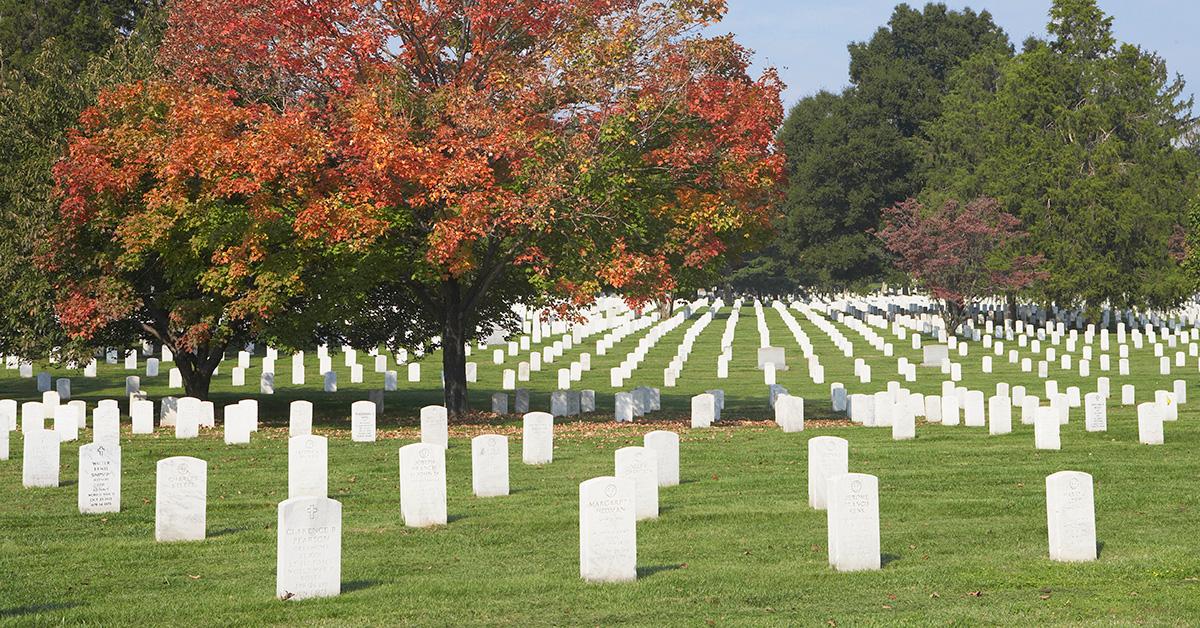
(666,445)
(828,456)
(187,418)
(308,466)
(1071,516)
(934,355)
(423,484)
(237,427)
(362,422)
(773,356)
(640,465)
(181,499)
(434,426)
(309,548)
(607,530)
(704,410)
(1150,423)
(537,440)
(853,522)
(489,465)
(1095,412)
(141,414)
(1046,428)
(99,478)
(623,407)
(300,418)
(40,458)
(250,412)
(999,415)
(789,413)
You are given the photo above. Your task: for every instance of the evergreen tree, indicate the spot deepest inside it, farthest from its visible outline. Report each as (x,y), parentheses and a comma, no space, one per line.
(1082,138)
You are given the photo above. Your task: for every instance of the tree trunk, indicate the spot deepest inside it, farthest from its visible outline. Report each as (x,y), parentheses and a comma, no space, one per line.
(195,373)
(953,316)
(454,359)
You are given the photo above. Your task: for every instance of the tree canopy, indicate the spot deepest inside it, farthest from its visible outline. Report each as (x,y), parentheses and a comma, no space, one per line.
(456,156)
(1081,137)
(852,154)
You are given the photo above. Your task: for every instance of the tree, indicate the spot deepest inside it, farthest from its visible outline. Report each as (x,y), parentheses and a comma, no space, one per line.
(844,164)
(464,155)
(54,57)
(1084,139)
(959,253)
(176,223)
(78,29)
(853,153)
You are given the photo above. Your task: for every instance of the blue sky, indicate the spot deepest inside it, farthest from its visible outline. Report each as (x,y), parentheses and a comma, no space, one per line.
(806,39)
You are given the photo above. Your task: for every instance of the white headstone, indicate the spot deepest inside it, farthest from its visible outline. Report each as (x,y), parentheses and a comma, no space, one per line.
(237,425)
(1071,516)
(607,530)
(640,465)
(489,465)
(308,466)
(828,456)
(99,478)
(999,415)
(537,439)
(300,418)
(40,457)
(435,426)
(181,499)
(362,422)
(789,413)
(308,561)
(1150,423)
(141,413)
(704,410)
(666,445)
(1046,428)
(423,484)
(1095,412)
(187,419)
(853,522)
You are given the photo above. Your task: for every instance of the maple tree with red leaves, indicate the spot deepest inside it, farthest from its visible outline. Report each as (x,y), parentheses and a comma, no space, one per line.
(959,253)
(454,156)
(176,222)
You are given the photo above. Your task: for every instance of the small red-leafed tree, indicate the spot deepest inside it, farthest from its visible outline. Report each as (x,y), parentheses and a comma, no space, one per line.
(176,222)
(959,253)
(477,153)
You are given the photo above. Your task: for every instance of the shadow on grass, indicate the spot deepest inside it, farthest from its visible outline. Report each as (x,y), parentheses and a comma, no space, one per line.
(358,585)
(1099,549)
(645,572)
(19,611)
(452,518)
(226,531)
(887,559)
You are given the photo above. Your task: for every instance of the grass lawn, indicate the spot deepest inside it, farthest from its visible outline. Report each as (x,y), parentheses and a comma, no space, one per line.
(963,522)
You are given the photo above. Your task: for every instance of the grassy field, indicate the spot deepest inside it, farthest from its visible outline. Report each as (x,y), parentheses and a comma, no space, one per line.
(963,528)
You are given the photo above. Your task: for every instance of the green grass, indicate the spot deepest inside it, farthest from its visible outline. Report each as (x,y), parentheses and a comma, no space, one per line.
(962,513)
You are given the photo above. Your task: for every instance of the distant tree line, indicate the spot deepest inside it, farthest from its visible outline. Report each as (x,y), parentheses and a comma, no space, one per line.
(1088,142)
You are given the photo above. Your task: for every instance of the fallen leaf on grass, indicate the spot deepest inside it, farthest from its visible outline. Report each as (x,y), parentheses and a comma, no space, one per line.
(975,594)
(194,577)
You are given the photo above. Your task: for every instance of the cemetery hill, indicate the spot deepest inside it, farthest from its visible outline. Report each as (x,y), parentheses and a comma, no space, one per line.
(564,312)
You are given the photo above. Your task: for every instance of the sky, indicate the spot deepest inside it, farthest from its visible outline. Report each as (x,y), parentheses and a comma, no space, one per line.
(806,39)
